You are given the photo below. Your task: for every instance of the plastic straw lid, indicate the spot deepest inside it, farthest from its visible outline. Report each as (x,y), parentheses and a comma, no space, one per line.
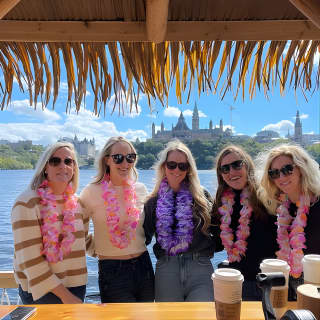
(227,274)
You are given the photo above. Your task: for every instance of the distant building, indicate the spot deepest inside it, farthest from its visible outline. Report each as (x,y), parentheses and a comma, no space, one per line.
(183,132)
(85,148)
(300,138)
(266,136)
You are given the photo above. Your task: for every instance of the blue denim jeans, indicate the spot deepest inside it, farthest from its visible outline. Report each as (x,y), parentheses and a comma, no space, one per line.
(129,280)
(185,277)
(51,298)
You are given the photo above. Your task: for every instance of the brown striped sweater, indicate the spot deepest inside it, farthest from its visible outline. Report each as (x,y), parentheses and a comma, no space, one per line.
(32,271)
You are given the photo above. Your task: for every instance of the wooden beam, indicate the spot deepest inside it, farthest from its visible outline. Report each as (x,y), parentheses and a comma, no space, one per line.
(99,31)
(310,8)
(6,6)
(156,19)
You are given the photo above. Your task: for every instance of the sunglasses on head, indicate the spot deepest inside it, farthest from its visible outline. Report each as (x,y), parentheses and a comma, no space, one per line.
(55,161)
(183,166)
(118,158)
(286,171)
(235,165)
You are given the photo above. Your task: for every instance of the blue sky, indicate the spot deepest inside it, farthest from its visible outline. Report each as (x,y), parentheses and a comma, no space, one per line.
(19,121)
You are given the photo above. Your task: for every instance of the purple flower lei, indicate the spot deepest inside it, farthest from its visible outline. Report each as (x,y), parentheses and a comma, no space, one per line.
(178,240)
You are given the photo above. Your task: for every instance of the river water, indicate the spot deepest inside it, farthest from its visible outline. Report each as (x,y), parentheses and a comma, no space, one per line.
(13,182)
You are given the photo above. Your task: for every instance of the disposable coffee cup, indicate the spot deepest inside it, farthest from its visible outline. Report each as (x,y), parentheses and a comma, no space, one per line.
(227,284)
(278,295)
(311,269)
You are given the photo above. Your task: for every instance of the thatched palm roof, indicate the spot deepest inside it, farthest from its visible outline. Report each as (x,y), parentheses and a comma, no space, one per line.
(155,43)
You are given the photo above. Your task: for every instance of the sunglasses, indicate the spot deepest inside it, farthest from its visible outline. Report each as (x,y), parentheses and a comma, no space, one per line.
(118,158)
(55,161)
(235,165)
(286,171)
(183,166)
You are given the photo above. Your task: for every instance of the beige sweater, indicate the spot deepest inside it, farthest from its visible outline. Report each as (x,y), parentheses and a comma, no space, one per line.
(32,271)
(92,201)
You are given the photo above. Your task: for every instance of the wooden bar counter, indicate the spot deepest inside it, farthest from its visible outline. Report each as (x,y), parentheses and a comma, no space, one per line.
(140,311)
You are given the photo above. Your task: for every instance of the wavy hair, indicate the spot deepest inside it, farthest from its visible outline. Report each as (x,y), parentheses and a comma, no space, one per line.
(40,175)
(191,178)
(309,169)
(257,206)
(100,163)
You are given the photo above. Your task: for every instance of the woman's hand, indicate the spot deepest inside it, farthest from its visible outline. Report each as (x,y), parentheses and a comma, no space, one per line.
(65,295)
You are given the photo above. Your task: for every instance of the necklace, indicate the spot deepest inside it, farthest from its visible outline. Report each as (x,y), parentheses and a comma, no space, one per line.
(174,211)
(290,236)
(237,249)
(121,237)
(57,244)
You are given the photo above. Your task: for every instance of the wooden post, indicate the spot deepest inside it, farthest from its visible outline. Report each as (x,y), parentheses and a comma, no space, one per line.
(156,19)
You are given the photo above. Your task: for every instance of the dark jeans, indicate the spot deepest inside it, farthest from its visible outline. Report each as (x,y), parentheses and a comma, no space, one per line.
(129,280)
(51,298)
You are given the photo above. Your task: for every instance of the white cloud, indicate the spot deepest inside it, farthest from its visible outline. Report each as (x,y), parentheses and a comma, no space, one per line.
(171,112)
(22,107)
(303,116)
(202,114)
(281,127)
(84,124)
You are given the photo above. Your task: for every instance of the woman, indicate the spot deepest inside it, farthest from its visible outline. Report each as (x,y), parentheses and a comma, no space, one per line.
(292,178)
(49,234)
(248,232)
(178,212)
(114,201)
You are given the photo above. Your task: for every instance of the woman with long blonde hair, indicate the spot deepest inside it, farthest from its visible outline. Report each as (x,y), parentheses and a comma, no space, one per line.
(114,201)
(292,178)
(248,231)
(178,213)
(49,230)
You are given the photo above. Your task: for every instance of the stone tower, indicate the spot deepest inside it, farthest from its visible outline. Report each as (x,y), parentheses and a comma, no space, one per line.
(195,118)
(162,126)
(298,129)
(153,130)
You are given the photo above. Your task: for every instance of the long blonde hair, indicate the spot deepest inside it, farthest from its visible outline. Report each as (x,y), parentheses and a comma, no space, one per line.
(40,175)
(102,167)
(192,179)
(309,169)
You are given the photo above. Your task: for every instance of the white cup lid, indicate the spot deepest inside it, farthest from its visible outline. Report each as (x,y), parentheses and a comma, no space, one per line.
(227,274)
(314,258)
(275,264)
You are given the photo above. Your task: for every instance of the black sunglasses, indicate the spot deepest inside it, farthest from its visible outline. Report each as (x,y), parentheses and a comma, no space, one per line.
(286,171)
(118,158)
(235,165)
(183,166)
(55,161)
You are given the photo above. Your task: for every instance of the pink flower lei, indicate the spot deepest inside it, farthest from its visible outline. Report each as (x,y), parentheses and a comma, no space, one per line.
(57,244)
(121,237)
(237,249)
(290,234)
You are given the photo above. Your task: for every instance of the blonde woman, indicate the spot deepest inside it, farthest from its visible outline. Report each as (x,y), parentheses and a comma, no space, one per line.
(49,233)
(178,213)
(248,231)
(292,177)
(114,201)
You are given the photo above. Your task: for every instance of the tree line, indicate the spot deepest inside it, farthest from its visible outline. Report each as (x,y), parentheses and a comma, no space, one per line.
(204,152)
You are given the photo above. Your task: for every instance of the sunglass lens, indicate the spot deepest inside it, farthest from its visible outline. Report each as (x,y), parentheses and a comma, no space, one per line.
(54,161)
(274,173)
(287,170)
(237,165)
(117,158)
(225,168)
(68,162)
(183,166)
(131,157)
(171,165)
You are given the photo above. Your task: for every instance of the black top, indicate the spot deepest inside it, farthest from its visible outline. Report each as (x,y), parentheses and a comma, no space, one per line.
(201,243)
(312,232)
(261,242)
